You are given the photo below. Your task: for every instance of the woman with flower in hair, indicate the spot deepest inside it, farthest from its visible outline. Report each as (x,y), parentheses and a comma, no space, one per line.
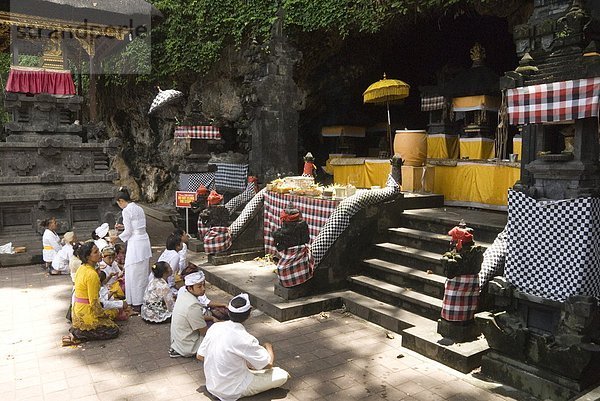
(158,299)
(137,258)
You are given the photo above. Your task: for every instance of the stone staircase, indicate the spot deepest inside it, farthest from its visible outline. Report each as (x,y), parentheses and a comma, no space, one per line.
(401,284)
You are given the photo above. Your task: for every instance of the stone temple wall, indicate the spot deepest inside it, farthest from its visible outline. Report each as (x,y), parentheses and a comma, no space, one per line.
(46,170)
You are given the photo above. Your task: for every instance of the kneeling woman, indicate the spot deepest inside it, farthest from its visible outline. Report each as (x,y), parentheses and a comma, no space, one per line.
(90,321)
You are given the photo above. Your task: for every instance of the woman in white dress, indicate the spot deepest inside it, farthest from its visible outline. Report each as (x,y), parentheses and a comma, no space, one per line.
(50,242)
(137,258)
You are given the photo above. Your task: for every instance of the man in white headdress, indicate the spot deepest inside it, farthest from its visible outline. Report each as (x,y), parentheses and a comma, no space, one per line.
(235,364)
(187,321)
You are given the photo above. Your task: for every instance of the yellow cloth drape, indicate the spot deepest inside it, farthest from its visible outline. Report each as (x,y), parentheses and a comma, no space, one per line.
(475,182)
(363,175)
(480,102)
(442,146)
(477,148)
(87,286)
(518,146)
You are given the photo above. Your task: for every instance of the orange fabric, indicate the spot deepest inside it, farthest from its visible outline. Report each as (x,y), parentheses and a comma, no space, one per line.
(214,198)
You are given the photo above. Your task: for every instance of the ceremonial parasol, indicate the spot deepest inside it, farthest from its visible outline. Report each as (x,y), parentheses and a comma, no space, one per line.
(386,91)
(164,98)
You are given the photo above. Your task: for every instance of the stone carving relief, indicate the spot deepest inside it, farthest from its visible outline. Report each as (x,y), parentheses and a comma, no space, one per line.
(22,163)
(51,177)
(76,163)
(52,200)
(49,147)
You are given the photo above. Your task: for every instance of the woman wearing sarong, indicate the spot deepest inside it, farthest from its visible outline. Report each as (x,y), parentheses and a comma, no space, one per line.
(90,321)
(137,258)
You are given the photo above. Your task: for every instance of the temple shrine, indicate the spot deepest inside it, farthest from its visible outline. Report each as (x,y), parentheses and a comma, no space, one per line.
(48,166)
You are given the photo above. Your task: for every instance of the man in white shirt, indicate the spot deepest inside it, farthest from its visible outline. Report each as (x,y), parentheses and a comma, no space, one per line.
(235,364)
(187,321)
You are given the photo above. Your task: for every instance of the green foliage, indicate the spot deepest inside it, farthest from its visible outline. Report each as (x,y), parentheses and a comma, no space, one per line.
(26,60)
(193,33)
(130,64)
(5,60)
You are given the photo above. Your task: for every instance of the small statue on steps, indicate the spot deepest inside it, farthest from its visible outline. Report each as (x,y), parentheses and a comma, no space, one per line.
(216,218)
(296,264)
(309,169)
(461,290)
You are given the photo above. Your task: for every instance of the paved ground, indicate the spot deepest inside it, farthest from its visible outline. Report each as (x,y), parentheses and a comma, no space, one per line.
(331,356)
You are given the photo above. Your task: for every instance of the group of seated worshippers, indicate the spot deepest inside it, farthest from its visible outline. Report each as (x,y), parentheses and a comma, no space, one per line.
(99,286)
(235,364)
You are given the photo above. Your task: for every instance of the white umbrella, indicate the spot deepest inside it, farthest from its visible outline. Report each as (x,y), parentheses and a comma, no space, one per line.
(164,98)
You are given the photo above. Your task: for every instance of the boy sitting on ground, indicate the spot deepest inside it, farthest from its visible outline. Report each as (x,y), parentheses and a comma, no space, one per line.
(188,326)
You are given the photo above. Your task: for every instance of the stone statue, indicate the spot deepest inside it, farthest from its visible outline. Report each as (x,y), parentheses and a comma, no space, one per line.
(461,290)
(216,218)
(293,231)
(296,263)
(310,168)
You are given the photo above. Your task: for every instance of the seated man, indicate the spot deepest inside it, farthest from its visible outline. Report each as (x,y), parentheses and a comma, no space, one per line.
(233,357)
(187,322)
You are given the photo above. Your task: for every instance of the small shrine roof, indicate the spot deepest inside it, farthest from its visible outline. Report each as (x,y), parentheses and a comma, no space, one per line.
(93,10)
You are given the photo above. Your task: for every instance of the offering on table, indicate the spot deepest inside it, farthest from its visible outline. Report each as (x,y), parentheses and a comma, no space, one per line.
(328,192)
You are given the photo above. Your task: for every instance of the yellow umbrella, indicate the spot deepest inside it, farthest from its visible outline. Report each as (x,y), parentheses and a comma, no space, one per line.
(386,91)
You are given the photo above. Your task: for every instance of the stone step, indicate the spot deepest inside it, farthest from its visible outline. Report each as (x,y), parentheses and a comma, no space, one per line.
(419,333)
(408,277)
(406,298)
(433,242)
(407,256)
(486,224)
(385,315)
(463,357)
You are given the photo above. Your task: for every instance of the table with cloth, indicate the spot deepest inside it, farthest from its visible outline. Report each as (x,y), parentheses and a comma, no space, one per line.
(40,80)
(315,211)
(472,183)
(360,172)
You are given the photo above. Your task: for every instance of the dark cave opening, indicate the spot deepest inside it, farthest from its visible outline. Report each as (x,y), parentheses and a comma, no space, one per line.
(335,73)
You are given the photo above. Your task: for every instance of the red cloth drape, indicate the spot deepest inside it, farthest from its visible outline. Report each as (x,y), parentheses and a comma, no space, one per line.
(39,80)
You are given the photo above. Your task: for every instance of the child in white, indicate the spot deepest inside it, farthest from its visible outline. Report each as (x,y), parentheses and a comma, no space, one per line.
(60,263)
(171,256)
(184,248)
(115,307)
(113,272)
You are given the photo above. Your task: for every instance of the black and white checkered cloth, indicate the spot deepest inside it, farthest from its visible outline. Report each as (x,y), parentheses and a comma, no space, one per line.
(553,246)
(248,213)
(494,259)
(242,198)
(340,218)
(191,182)
(432,103)
(231,177)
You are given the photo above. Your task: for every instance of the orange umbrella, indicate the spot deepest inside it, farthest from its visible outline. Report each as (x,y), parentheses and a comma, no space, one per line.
(386,91)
